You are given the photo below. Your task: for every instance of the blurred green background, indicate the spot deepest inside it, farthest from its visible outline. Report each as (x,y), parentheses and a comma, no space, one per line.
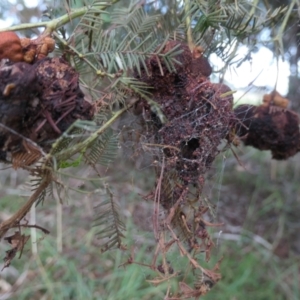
(260,243)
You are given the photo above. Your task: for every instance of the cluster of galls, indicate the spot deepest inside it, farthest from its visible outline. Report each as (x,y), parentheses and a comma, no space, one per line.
(24,49)
(198,112)
(39,98)
(270,126)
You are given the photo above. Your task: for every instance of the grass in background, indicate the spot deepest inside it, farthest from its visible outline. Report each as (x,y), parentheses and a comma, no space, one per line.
(260,243)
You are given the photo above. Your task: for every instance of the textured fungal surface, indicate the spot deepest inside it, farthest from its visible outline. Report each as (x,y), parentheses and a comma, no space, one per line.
(198,117)
(38,102)
(269,128)
(24,49)
(198,113)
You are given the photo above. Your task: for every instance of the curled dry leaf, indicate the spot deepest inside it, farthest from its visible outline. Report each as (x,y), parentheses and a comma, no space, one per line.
(17,242)
(187,292)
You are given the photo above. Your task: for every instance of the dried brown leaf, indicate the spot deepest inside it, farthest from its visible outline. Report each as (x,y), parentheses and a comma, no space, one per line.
(17,242)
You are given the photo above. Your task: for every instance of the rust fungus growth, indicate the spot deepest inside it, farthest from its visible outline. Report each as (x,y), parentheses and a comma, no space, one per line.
(24,49)
(275,99)
(10,46)
(38,102)
(198,115)
(267,129)
(37,49)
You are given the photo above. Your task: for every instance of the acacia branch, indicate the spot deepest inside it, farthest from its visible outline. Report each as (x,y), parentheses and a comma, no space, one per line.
(54,24)
(82,146)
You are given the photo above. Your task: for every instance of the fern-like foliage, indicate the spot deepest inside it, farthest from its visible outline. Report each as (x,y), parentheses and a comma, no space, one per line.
(79,143)
(221,26)
(34,183)
(127,42)
(112,45)
(107,219)
(103,150)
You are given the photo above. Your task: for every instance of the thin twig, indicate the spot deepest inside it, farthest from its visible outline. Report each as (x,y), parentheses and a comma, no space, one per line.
(58,22)
(20,214)
(157,201)
(44,230)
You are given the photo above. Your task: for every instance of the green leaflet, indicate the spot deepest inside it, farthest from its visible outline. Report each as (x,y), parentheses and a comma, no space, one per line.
(219,26)
(72,148)
(107,220)
(74,163)
(103,150)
